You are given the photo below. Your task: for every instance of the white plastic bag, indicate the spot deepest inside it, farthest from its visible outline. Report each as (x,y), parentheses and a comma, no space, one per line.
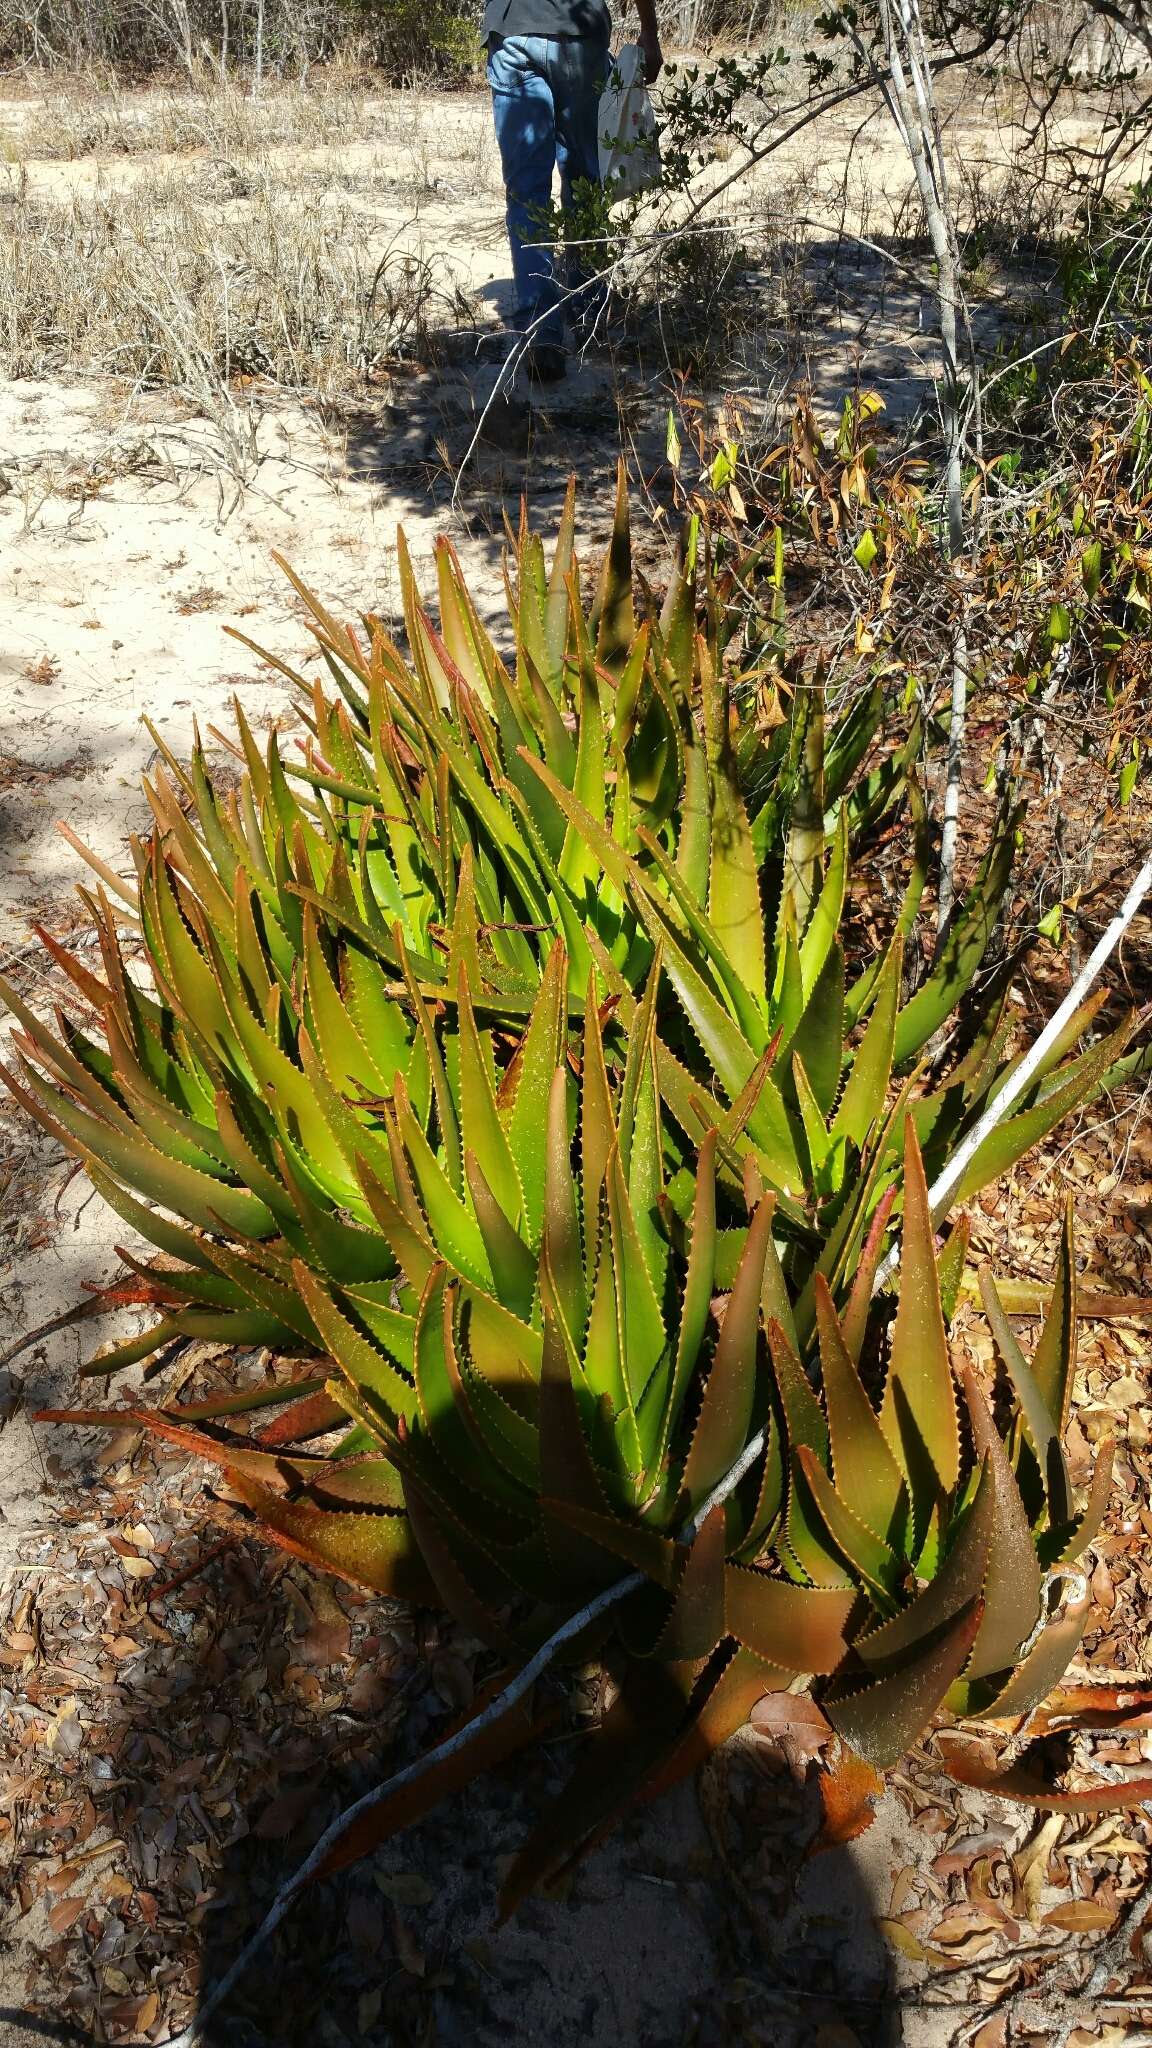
(629,145)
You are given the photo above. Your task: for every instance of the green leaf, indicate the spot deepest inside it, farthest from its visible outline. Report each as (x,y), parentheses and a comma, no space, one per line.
(888,1648)
(562,1246)
(483,1132)
(365,1367)
(1054,1360)
(734,906)
(866,1090)
(865,1471)
(963,948)
(869,1559)
(1034,1412)
(1012,1587)
(924,1424)
(724,1424)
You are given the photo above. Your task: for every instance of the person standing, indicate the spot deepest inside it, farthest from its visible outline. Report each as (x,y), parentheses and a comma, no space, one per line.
(547,67)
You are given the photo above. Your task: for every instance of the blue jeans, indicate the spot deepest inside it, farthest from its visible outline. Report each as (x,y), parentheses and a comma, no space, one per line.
(546,100)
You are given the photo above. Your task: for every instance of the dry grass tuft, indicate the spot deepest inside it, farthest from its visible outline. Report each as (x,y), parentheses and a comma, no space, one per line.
(150,282)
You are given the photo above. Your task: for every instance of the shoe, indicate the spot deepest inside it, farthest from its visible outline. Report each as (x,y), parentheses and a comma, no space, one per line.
(547,363)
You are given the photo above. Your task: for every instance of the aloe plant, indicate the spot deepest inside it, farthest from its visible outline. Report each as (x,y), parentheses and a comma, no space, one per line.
(549,1394)
(448,819)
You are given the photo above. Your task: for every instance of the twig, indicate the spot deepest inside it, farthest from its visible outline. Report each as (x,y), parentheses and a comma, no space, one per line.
(192,1571)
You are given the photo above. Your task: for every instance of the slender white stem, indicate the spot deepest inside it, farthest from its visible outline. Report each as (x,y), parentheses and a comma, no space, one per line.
(949,1180)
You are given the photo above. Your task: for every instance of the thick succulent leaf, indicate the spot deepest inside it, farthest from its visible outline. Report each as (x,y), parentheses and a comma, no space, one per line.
(870,1560)
(1034,1412)
(725,1695)
(775,1302)
(364,1365)
(860,997)
(724,1424)
(577,866)
(866,1090)
(562,1241)
(854,1327)
(924,1424)
(950,1265)
(451,1224)
(798,1628)
(959,1581)
(1054,1359)
(642,1336)
(758,1503)
(804,847)
(884,1719)
(483,1132)
(446,1412)
(603,1354)
(459,1584)
(806,1543)
(1046,1662)
(695,1620)
(598,1133)
(316,1414)
(196,1196)
(513,1267)
(734,906)
(818,1040)
(1018,1134)
(1012,1587)
(863,1467)
(636,1544)
(696,1293)
(569,1475)
(1069,1545)
(824,923)
(374,1550)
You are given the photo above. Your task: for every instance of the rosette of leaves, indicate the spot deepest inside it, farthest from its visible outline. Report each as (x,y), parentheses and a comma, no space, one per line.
(306,936)
(551,1394)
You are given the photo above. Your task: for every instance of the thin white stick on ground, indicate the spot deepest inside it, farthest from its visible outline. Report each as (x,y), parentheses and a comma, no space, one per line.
(515,1690)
